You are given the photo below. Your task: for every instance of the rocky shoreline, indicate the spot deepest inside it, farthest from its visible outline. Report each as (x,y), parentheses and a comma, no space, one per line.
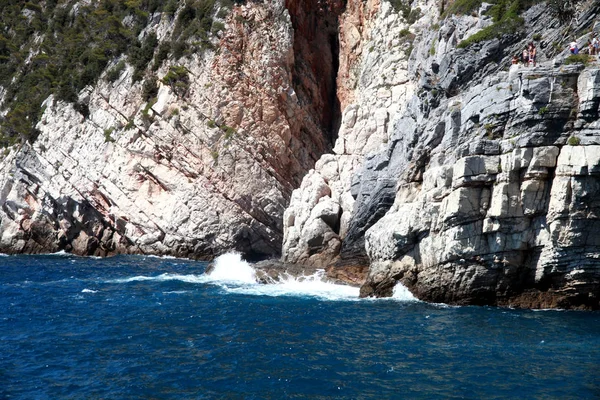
(361,137)
(274,271)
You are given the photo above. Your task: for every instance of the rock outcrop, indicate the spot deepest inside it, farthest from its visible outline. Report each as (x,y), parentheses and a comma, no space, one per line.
(504,209)
(206,167)
(377,71)
(483,188)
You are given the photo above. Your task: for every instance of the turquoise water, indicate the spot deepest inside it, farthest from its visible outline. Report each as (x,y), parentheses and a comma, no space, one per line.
(140,327)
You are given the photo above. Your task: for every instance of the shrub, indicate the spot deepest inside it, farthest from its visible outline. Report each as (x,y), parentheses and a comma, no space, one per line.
(404,32)
(140,55)
(163,53)
(564,10)
(578,59)
(573,141)
(178,79)
(107,135)
(216,27)
(229,131)
(489,130)
(493,31)
(150,88)
(114,73)
(171,7)
(462,7)
(82,109)
(505,14)
(403,7)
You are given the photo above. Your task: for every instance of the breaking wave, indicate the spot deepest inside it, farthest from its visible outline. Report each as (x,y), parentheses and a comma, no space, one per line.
(235,275)
(162,278)
(402,293)
(231,268)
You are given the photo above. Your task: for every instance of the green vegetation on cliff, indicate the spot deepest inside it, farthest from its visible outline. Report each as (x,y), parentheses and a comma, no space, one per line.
(506,17)
(61,46)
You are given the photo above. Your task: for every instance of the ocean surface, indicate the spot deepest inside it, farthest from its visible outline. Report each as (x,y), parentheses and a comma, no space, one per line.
(153,328)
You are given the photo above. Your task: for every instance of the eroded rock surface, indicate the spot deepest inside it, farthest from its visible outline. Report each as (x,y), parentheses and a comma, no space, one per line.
(502,208)
(207,167)
(482,187)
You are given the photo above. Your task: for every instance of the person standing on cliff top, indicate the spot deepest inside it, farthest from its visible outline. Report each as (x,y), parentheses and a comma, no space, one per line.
(532,54)
(573,47)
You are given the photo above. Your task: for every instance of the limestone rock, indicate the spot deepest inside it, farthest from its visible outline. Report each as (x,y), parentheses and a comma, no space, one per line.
(199,172)
(485,190)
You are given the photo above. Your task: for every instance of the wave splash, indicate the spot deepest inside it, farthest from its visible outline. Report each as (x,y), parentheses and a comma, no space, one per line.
(235,275)
(402,293)
(231,268)
(310,286)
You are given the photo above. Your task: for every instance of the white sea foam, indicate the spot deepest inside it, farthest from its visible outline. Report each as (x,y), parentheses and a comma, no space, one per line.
(231,268)
(166,257)
(162,278)
(402,293)
(235,275)
(89,291)
(61,253)
(311,286)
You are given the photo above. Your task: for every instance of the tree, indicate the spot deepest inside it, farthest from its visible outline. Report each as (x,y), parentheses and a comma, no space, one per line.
(564,10)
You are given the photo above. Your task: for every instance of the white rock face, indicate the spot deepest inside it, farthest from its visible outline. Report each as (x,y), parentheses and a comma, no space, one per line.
(471,185)
(203,169)
(491,222)
(381,86)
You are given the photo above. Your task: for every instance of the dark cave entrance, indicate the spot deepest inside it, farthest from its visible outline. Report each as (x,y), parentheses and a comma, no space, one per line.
(316,51)
(336,112)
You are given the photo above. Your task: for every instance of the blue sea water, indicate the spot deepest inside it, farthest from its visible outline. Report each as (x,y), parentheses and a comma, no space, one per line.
(150,328)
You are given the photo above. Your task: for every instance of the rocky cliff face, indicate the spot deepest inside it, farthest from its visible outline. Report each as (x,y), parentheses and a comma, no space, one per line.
(207,167)
(374,86)
(481,190)
(353,135)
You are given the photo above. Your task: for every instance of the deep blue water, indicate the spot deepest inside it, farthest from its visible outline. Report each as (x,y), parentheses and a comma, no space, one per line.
(140,327)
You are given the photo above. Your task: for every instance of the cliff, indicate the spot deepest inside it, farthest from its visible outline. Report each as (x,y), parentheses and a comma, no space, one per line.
(482,189)
(384,141)
(204,165)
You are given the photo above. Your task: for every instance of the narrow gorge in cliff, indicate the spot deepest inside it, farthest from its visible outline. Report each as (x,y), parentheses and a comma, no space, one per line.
(387,142)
